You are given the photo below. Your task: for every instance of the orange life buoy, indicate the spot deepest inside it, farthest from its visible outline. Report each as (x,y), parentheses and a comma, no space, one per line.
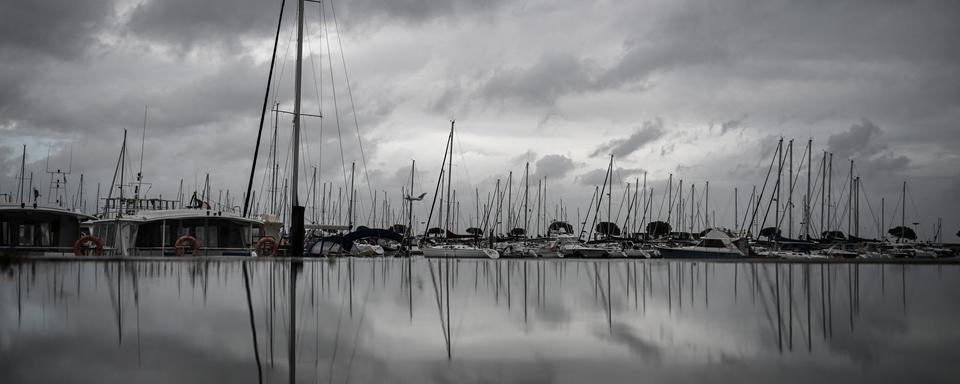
(262,243)
(178,246)
(79,245)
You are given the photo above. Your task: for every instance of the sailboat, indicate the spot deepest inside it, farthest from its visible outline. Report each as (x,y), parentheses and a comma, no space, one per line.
(450,248)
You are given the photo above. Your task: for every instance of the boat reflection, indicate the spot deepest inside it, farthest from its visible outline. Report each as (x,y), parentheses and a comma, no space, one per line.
(377,320)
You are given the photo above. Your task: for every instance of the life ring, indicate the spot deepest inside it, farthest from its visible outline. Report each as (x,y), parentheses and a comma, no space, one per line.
(263,242)
(178,246)
(79,245)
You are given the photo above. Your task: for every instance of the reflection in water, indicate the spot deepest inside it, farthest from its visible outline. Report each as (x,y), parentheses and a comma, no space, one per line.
(419,320)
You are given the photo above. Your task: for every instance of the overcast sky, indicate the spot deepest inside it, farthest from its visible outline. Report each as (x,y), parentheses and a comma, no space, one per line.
(702,89)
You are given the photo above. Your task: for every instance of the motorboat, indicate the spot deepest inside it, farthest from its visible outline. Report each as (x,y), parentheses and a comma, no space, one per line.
(715,244)
(36,230)
(183,232)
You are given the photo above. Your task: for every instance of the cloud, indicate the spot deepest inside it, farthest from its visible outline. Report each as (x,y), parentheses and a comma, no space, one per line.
(553,166)
(863,143)
(730,125)
(597,176)
(554,75)
(60,29)
(649,132)
(186,24)
(858,140)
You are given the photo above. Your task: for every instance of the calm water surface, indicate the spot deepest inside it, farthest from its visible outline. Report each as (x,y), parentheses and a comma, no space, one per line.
(396,320)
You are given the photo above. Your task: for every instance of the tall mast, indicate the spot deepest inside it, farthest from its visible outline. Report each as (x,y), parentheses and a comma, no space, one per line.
(790,194)
(413,167)
(352,193)
(526,197)
(539,200)
(693,192)
(776,211)
(903,211)
(680,206)
(296,213)
(806,204)
(850,201)
(706,207)
(450,175)
(510,202)
(23,166)
(823,190)
(883,206)
(830,194)
(645,197)
(143,137)
(669,199)
(610,194)
(735,202)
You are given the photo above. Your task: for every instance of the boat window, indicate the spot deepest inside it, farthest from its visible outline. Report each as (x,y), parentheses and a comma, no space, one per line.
(149,235)
(5,234)
(713,243)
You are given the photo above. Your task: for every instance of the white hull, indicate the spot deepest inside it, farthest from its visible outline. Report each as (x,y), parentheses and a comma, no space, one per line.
(457,252)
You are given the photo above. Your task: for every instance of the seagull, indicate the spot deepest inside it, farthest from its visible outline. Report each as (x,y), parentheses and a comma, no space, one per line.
(411,198)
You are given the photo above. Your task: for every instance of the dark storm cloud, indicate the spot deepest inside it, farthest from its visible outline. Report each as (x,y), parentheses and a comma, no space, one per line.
(61,29)
(185,23)
(553,166)
(863,143)
(649,132)
(857,141)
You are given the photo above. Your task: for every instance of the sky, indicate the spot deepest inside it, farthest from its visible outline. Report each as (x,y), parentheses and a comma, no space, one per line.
(699,89)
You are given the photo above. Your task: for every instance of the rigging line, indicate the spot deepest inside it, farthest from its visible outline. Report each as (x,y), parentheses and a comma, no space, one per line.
(353,107)
(283,64)
(872,214)
(916,212)
(333,86)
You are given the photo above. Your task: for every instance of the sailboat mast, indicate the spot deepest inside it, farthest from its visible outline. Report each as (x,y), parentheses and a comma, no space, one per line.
(350,199)
(806,204)
(790,194)
(450,174)
(296,213)
(23,166)
(850,201)
(903,211)
(413,167)
(143,137)
(610,194)
(526,196)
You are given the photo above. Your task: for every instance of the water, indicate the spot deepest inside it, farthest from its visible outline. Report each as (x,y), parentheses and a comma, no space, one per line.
(565,321)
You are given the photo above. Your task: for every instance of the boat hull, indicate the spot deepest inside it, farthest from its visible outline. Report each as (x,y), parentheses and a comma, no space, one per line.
(476,253)
(698,253)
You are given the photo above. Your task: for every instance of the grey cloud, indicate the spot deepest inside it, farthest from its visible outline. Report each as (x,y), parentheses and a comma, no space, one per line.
(596,176)
(54,28)
(649,132)
(186,24)
(730,125)
(554,75)
(553,166)
(863,143)
(858,140)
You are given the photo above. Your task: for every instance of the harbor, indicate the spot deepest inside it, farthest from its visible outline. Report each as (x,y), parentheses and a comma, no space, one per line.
(382,191)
